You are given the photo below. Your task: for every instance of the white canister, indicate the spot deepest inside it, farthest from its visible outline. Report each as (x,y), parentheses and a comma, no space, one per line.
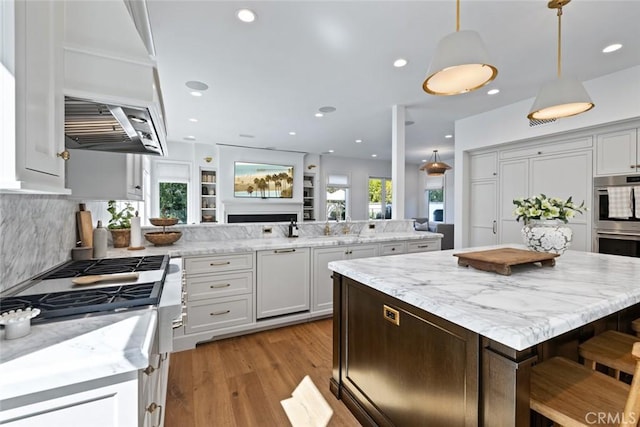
(100,241)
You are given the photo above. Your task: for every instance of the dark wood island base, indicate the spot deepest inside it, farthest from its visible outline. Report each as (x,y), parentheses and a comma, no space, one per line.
(397,365)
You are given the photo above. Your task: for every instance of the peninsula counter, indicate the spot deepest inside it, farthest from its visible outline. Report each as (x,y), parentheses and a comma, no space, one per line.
(419,340)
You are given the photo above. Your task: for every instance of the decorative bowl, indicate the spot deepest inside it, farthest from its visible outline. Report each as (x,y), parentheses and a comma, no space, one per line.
(164,222)
(207,218)
(160,238)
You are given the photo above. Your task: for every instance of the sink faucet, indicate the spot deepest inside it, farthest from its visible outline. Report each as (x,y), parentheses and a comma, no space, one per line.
(327,229)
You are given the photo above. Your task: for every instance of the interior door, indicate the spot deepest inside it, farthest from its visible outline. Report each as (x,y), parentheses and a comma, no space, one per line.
(482,218)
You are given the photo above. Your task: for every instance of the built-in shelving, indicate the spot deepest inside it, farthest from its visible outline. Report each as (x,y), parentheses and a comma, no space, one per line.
(208,195)
(308,198)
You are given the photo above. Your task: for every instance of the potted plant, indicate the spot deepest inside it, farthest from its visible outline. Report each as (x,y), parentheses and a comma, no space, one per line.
(544,222)
(120,224)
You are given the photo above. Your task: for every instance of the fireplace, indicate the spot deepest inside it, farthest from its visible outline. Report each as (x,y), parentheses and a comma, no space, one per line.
(266,217)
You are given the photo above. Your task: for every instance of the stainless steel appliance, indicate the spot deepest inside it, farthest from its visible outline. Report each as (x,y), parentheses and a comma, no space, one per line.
(616,236)
(104,126)
(59,299)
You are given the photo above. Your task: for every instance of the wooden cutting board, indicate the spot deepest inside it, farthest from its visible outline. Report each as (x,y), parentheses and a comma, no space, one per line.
(501,260)
(85,228)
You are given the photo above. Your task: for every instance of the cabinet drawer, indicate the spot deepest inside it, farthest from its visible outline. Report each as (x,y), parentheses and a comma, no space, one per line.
(556,147)
(423,246)
(207,315)
(393,248)
(219,285)
(213,264)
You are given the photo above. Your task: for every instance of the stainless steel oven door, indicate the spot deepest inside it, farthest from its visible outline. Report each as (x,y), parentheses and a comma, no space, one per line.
(614,243)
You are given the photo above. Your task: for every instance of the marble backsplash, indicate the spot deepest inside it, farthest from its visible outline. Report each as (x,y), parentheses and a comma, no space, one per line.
(37,232)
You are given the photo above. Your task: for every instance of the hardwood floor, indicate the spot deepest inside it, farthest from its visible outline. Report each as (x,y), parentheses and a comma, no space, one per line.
(240,381)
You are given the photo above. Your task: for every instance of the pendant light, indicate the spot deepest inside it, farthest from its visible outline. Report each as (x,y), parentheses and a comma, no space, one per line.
(562,97)
(460,65)
(435,167)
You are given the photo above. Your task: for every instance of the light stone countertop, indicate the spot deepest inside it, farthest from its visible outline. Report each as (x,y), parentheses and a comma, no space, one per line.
(528,307)
(195,248)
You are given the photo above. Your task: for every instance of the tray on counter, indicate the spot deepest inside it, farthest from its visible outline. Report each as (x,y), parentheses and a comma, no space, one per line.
(501,260)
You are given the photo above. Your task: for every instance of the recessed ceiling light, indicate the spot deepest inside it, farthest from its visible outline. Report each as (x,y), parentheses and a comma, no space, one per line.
(400,62)
(612,48)
(246,15)
(196,85)
(332,151)
(374,155)
(493,91)
(190,138)
(327,109)
(246,135)
(358,141)
(319,115)
(196,93)
(408,122)
(448,136)
(193,120)
(292,133)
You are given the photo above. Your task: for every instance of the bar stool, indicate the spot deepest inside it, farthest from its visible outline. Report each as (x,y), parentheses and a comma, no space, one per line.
(611,349)
(635,325)
(571,394)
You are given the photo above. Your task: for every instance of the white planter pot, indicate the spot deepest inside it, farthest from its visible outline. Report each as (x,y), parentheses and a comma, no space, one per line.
(547,236)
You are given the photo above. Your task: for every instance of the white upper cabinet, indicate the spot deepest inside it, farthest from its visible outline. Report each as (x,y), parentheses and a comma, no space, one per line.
(484,166)
(106,176)
(617,153)
(32,101)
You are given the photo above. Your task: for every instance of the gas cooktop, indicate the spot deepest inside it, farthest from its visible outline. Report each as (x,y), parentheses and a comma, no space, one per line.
(58,298)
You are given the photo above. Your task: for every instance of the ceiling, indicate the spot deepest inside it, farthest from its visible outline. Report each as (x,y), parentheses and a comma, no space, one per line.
(270,77)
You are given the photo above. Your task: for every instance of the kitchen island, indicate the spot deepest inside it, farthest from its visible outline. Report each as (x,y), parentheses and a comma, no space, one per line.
(419,340)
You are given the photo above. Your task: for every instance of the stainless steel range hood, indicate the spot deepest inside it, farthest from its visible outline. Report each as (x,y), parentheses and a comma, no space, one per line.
(102,126)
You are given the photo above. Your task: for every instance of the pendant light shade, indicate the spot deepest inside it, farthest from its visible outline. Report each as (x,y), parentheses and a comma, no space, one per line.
(460,65)
(435,167)
(563,97)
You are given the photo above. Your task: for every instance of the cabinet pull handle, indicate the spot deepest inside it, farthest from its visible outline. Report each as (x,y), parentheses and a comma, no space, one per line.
(391,315)
(348,252)
(149,370)
(331,277)
(494,228)
(224,285)
(634,166)
(213,264)
(219,313)
(152,408)
(64,155)
(393,249)
(137,187)
(283,251)
(423,246)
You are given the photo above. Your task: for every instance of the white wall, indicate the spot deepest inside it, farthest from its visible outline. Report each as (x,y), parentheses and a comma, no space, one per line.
(616,97)
(359,171)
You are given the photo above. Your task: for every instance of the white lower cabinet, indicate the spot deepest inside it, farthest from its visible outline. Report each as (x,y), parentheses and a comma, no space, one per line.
(113,404)
(219,291)
(282,282)
(393,248)
(322,277)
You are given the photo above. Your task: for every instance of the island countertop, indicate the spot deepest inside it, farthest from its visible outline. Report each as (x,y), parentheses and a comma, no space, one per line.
(528,307)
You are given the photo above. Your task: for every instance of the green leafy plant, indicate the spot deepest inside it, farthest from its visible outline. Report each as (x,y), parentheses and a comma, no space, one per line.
(543,207)
(120,219)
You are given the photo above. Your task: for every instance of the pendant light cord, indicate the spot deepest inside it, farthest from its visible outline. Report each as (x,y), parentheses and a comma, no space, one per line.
(457,15)
(560,42)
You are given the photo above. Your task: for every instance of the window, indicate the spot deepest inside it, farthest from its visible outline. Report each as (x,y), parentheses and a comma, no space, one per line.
(435,204)
(337,207)
(380,193)
(171,188)
(173,200)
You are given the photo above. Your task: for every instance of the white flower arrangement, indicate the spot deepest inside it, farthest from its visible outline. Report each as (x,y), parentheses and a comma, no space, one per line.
(543,207)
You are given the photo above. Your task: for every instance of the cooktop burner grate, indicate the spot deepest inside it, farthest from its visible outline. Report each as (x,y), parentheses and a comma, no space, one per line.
(106,266)
(61,304)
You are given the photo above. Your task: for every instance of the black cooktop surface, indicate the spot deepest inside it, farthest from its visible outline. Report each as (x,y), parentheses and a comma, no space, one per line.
(106,266)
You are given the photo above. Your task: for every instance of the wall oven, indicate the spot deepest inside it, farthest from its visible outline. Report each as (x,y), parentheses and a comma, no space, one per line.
(616,236)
